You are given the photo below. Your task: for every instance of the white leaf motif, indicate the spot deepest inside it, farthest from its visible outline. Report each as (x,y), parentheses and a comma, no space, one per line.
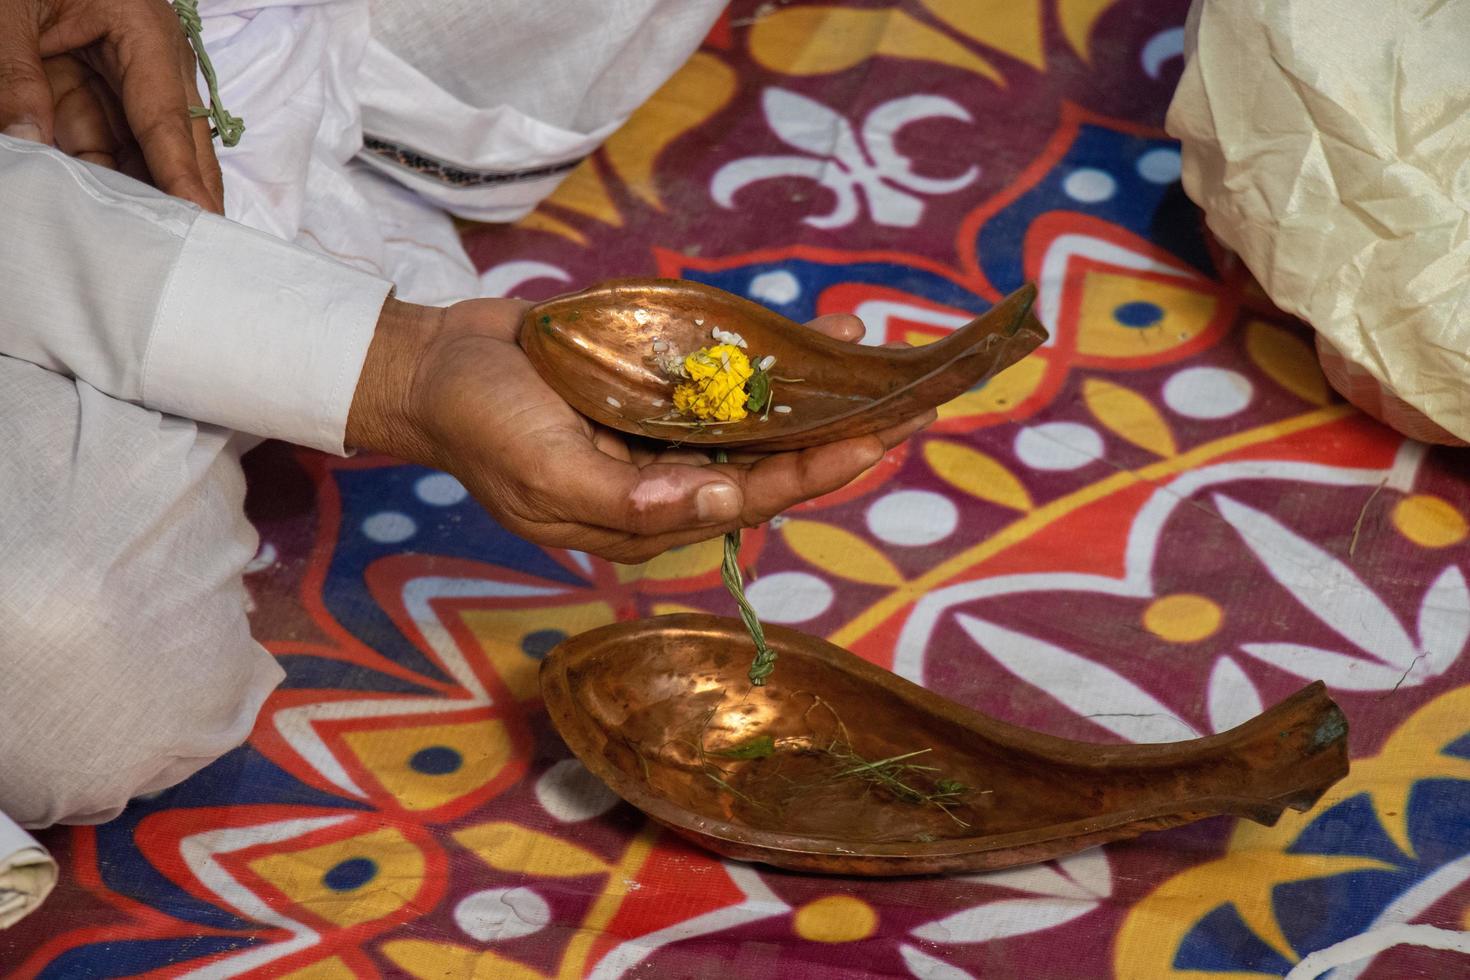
(1092,690)
(736,174)
(842,162)
(927,967)
(884,122)
(507,277)
(1090,869)
(1233,698)
(1321,583)
(1444,621)
(805,123)
(1038,879)
(1339,670)
(999,920)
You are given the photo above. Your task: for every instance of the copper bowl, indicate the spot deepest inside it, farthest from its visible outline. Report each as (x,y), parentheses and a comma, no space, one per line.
(599,350)
(661,711)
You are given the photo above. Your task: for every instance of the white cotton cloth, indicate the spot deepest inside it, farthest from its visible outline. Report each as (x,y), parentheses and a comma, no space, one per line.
(1328,142)
(153,302)
(27,873)
(477,107)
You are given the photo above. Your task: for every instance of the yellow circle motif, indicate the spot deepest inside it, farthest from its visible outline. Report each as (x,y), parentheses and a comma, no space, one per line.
(1182,618)
(836,919)
(1428,521)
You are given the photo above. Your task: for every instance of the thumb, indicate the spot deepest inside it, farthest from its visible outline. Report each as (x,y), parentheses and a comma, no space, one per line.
(25,95)
(594,488)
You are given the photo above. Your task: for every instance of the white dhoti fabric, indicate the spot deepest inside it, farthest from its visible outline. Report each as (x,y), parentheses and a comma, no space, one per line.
(475,108)
(126,661)
(1328,142)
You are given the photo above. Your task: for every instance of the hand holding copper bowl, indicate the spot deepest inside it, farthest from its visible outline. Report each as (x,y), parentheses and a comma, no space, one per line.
(600,350)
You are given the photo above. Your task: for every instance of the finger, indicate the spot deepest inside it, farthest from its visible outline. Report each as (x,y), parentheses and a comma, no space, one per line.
(608,442)
(688,457)
(128,155)
(895,434)
(204,155)
(783,480)
(580,484)
(25,94)
(80,125)
(839,326)
(498,318)
(147,70)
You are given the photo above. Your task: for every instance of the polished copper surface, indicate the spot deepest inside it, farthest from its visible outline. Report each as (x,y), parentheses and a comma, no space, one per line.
(596,348)
(660,710)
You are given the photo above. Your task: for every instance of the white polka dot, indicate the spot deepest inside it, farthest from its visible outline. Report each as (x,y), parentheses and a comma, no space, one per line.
(1159,166)
(440,489)
(1059,446)
(789,597)
(1089,186)
(1207,392)
(501,913)
(912,517)
(775,287)
(570,793)
(389,527)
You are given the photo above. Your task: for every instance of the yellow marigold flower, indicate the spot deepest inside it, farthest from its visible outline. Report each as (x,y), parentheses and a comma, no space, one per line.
(715,391)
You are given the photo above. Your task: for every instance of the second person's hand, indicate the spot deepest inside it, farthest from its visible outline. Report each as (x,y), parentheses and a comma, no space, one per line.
(111,82)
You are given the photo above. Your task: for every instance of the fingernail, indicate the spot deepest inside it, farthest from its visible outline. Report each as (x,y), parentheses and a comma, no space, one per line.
(717,502)
(23,130)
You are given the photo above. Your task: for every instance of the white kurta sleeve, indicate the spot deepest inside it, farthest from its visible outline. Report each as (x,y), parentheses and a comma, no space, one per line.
(152,301)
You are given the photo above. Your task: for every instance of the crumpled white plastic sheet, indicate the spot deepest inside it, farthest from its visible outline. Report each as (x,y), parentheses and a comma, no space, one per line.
(1328,142)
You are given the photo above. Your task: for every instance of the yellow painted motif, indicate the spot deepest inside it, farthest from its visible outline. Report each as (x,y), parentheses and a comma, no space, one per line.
(1183,618)
(1077,18)
(674,609)
(1010,26)
(1122,315)
(1429,521)
(600,915)
(703,87)
(1287,360)
(1000,394)
(540,221)
(508,846)
(977,474)
(680,564)
(332,968)
(584,192)
(1257,859)
(840,552)
(835,919)
(516,640)
(822,40)
(350,881)
(445,961)
(428,766)
(1129,415)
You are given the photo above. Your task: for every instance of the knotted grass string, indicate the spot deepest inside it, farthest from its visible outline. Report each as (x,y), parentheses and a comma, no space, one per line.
(228,128)
(765,657)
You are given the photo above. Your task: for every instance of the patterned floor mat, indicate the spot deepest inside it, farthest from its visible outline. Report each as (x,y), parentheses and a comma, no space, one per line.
(1158,524)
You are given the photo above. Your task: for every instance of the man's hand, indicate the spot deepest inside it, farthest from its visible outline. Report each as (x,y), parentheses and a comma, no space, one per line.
(451,389)
(111,82)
